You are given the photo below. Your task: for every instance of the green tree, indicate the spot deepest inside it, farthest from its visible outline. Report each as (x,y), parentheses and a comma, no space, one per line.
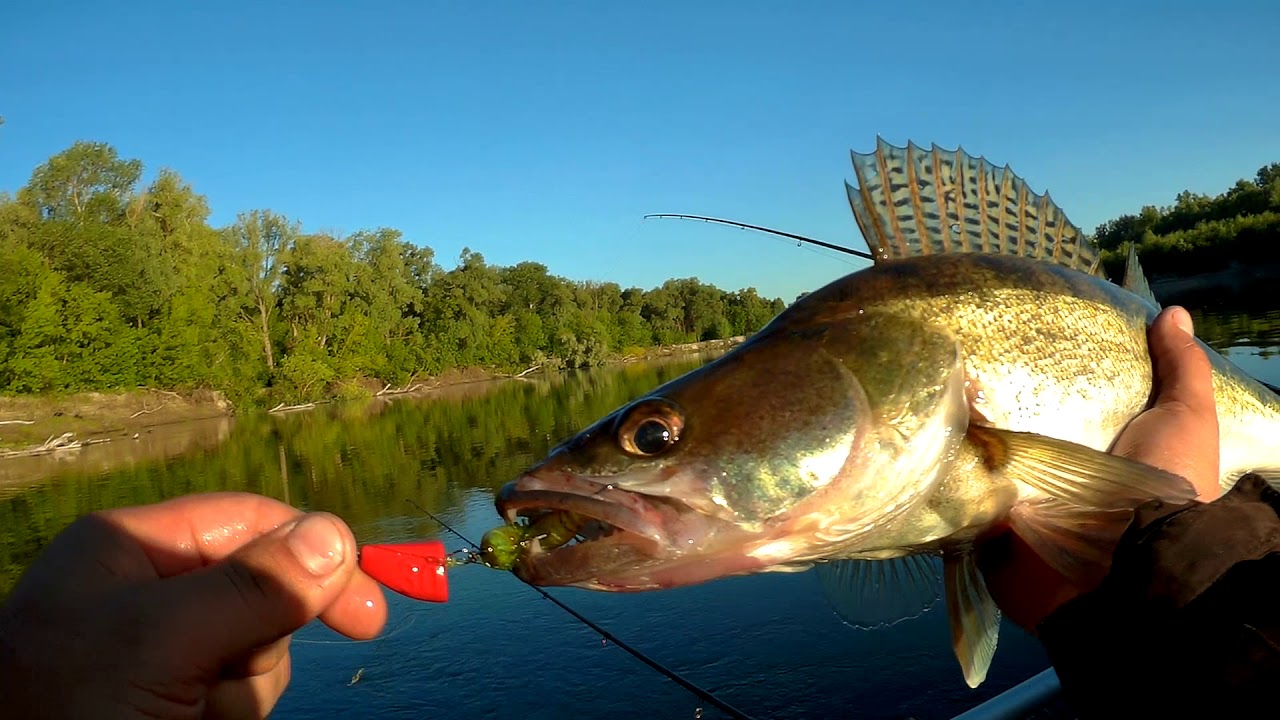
(258,238)
(87,182)
(108,284)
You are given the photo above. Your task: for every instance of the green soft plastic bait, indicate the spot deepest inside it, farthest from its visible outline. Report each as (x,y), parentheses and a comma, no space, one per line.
(502,547)
(555,529)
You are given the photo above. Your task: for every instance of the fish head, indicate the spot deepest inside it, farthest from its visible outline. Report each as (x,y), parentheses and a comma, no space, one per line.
(747,463)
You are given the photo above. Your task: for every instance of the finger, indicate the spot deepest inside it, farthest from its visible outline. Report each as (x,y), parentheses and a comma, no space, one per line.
(268,589)
(360,612)
(141,543)
(249,698)
(1183,374)
(199,530)
(259,661)
(194,531)
(1179,433)
(88,556)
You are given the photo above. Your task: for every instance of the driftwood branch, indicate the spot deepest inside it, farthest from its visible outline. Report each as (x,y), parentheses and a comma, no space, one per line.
(282,408)
(53,444)
(413,387)
(17,422)
(521,374)
(409,386)
(145,411)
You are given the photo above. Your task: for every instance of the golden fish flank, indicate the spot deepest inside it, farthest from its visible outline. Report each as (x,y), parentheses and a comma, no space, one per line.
(975,374)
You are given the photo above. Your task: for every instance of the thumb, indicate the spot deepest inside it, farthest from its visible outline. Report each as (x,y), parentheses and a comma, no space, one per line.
(259,594)
(1182,369)
(1179,433)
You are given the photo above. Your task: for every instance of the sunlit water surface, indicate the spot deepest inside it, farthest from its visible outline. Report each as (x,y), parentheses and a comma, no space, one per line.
(769,644)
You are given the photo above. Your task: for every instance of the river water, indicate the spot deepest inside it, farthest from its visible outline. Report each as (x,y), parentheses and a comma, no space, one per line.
(768,644)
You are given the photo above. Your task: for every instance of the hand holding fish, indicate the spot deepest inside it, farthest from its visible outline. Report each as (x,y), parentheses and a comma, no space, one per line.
(182,609)
(1180,431)
(1178,434)
(1191,592)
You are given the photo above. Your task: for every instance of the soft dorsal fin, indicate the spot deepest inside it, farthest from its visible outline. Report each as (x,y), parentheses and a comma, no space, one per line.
(911,201)
(1135,281)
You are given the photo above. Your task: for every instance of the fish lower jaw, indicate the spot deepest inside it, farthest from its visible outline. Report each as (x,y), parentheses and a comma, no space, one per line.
(623,562)
(669,573)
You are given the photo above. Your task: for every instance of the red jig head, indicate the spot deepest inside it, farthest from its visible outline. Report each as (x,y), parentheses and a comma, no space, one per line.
(413,569)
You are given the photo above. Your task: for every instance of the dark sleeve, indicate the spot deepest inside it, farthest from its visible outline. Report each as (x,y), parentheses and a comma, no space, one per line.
(1187,622)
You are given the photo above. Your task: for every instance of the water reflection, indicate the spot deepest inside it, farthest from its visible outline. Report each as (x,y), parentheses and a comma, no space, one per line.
(127,449)
(360,460)
(1242,323)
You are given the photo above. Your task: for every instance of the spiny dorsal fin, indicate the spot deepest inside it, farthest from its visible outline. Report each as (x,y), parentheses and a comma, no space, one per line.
(1135,281)
(911,201)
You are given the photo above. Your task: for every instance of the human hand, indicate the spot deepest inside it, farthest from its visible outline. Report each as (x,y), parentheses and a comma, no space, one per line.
(183,609)
(1179,434)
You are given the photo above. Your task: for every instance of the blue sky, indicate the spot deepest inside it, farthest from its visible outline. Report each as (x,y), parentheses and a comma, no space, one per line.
(545,131)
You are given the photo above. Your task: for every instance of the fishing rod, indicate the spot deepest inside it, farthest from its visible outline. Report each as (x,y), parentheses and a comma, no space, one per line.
(670,674)
(820,243)
(759,228)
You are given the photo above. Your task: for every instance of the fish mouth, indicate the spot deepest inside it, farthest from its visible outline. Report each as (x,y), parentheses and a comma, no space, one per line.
(619,532)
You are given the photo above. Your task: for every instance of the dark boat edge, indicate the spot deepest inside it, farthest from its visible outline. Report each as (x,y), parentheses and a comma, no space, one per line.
(1039,697)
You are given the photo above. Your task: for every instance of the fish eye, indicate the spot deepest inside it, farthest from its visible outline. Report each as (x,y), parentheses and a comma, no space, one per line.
(650,429)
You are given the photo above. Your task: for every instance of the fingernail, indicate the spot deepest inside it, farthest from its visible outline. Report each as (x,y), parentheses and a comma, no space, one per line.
(317,543)
(1182,319)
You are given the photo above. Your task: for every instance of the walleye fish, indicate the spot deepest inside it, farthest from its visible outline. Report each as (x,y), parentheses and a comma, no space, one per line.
(975,374)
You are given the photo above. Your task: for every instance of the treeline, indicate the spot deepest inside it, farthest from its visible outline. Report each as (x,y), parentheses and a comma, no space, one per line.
(1199,233)
(106,285)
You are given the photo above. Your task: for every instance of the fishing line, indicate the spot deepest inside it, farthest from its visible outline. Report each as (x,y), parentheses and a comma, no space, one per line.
(824,255)
(670,674)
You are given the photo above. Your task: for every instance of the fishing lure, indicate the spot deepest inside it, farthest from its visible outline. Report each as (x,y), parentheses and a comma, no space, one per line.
(413,569)
(502,547)
(418,569)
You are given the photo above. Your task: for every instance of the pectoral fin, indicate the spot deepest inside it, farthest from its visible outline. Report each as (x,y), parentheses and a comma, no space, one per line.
(1075,541)
(877,593)
(975,619)
(1075,473)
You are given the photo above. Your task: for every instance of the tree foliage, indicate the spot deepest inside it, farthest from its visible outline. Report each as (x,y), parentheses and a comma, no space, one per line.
(107,284)
(1199,233)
